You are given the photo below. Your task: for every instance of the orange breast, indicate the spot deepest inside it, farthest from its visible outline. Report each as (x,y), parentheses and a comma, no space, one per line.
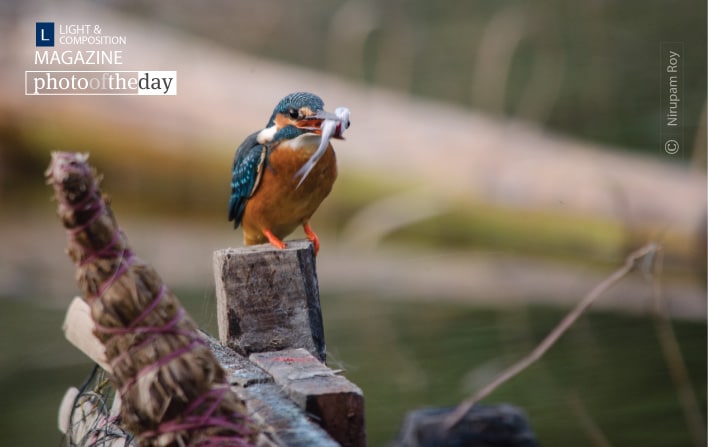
(276,204)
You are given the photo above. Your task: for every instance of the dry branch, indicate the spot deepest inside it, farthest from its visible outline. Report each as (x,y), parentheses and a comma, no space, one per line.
(671,350)
(629,264)
(174,392)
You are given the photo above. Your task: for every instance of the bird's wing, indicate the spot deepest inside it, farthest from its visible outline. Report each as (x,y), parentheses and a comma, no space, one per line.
(249,163)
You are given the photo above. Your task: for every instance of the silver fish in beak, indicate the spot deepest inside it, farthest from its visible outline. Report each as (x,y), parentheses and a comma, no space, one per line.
(333,126)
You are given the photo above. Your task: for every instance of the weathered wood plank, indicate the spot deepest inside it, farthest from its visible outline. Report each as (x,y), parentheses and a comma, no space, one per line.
(268,299)
(266,402)
(287,423)
(333,401)
(239,370)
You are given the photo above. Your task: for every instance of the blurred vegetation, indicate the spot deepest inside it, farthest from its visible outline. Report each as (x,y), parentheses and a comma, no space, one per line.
(589,69)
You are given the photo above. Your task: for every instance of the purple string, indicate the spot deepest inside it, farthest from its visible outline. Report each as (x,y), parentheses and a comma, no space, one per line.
(150,307)
(222,441)
(133,349)
(90,202)
(127,258)
(104,252)
(100,207)
(93,201)
(205,420)
(88,197)
(158,364)
(214,392)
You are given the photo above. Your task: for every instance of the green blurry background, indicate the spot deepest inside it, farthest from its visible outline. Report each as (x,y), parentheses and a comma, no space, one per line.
(437,301)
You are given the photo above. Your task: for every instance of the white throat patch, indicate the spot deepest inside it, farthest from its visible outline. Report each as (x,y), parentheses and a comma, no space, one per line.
(266,135)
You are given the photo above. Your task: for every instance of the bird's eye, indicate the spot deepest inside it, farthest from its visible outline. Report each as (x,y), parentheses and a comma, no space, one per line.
(293,113)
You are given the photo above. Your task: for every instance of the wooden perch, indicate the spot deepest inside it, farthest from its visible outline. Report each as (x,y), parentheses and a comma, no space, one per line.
(333,401)
(177,386)
(268,299)
(266,401)
(268,306)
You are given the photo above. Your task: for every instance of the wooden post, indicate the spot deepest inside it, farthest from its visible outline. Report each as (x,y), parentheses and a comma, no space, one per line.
(268,307)
(266,401)
(268,299)
(333,401)
(279,389)
(283,422)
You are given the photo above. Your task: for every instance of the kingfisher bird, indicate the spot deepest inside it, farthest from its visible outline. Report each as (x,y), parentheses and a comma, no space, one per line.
(282,173)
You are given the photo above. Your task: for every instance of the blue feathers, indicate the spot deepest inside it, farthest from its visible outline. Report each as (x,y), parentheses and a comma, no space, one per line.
(248,166)
(252,157)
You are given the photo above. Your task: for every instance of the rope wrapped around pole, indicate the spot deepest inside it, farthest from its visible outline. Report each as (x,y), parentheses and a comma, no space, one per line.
(173,391)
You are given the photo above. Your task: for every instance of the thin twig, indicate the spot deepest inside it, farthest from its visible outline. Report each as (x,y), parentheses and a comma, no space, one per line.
(587,422)
(630,262)
(671,351)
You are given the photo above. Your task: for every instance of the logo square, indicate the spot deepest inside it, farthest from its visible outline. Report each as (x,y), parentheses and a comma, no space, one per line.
(44,35)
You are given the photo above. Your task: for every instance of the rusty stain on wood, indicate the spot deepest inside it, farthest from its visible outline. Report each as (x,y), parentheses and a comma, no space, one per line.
(332,400)
(267,402)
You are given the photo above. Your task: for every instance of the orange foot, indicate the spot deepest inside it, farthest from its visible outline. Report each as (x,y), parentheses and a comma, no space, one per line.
(273,239)
(312,236)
